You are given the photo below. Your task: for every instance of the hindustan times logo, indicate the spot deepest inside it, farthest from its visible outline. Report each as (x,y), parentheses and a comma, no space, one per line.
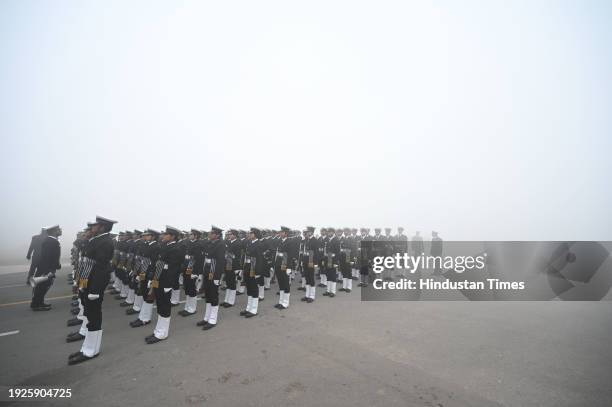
(459,264)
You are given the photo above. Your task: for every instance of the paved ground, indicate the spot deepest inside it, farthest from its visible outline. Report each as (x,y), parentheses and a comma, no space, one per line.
(335,352)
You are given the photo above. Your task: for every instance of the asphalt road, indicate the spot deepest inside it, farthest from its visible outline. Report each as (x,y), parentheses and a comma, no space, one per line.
(334,352)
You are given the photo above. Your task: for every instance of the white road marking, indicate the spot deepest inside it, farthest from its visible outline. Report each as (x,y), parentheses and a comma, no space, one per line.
(13,286)
(9,333)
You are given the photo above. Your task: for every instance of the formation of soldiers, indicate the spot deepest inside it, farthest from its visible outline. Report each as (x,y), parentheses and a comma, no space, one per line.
(149,267)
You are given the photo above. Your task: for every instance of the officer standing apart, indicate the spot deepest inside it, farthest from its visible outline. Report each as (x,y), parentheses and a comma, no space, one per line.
(92,281)
(47,265)
(34,252)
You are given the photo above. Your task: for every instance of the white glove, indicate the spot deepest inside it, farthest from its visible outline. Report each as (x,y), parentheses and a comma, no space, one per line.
(167,290)
(288,271)
(149,284)
(93,297)
(216,282)
(194,276)
(237,272)
(137,278)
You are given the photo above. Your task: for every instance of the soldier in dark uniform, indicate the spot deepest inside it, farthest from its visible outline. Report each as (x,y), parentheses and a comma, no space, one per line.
(241,285)
(346,250)
(214,265)
(321,258)
(47,265)
(150,255)
(233,256)
(436,250)
(183,242)
(119,264)
(92,282)
(171,256)
(310,246)
(254,264)
(364,258)
(402,246)
(78,253)
(34,252)
(354,254)
(195,262)
(282,268)
(136,249)
(331,256)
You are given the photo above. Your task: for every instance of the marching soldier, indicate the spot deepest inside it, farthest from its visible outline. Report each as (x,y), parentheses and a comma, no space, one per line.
(168,265)
(310,246)
(233,257)
(143,305)
(93,279)
(214,264)
(254,264)
(47,265)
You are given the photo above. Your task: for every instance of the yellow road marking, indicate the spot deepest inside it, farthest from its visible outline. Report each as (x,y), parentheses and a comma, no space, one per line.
(28,301)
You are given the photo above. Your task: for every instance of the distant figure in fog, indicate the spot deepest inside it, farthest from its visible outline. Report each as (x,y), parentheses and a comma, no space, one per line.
(34,252)
(436,250)
(417,244)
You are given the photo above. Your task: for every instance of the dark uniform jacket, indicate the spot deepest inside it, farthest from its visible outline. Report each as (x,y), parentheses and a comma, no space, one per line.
(172,254)
(255,251)
(48,261)
(35,247)
(99,249)
(215,259)
(234,248)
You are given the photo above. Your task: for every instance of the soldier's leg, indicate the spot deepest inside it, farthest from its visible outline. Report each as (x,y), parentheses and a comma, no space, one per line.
(175,296)
(146,309)
(162,328)
(191,301)
(230,294)
(212,299)
(93,337)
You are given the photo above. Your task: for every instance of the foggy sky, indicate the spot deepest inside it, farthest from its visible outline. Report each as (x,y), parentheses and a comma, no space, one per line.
(482,120)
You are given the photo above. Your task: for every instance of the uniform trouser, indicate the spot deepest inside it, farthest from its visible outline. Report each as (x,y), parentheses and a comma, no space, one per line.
(252,287)
(211,292)
(283,280)
(92,309)
(189,284)
(39,292)
(309,275)
(175,283)
(162,300)
(230,279)
(331,273)
(125,277)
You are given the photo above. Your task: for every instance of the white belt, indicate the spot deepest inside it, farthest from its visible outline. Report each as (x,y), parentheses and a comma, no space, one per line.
(208,261)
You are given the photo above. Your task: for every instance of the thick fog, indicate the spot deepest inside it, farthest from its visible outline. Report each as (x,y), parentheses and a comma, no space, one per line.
(482,120)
